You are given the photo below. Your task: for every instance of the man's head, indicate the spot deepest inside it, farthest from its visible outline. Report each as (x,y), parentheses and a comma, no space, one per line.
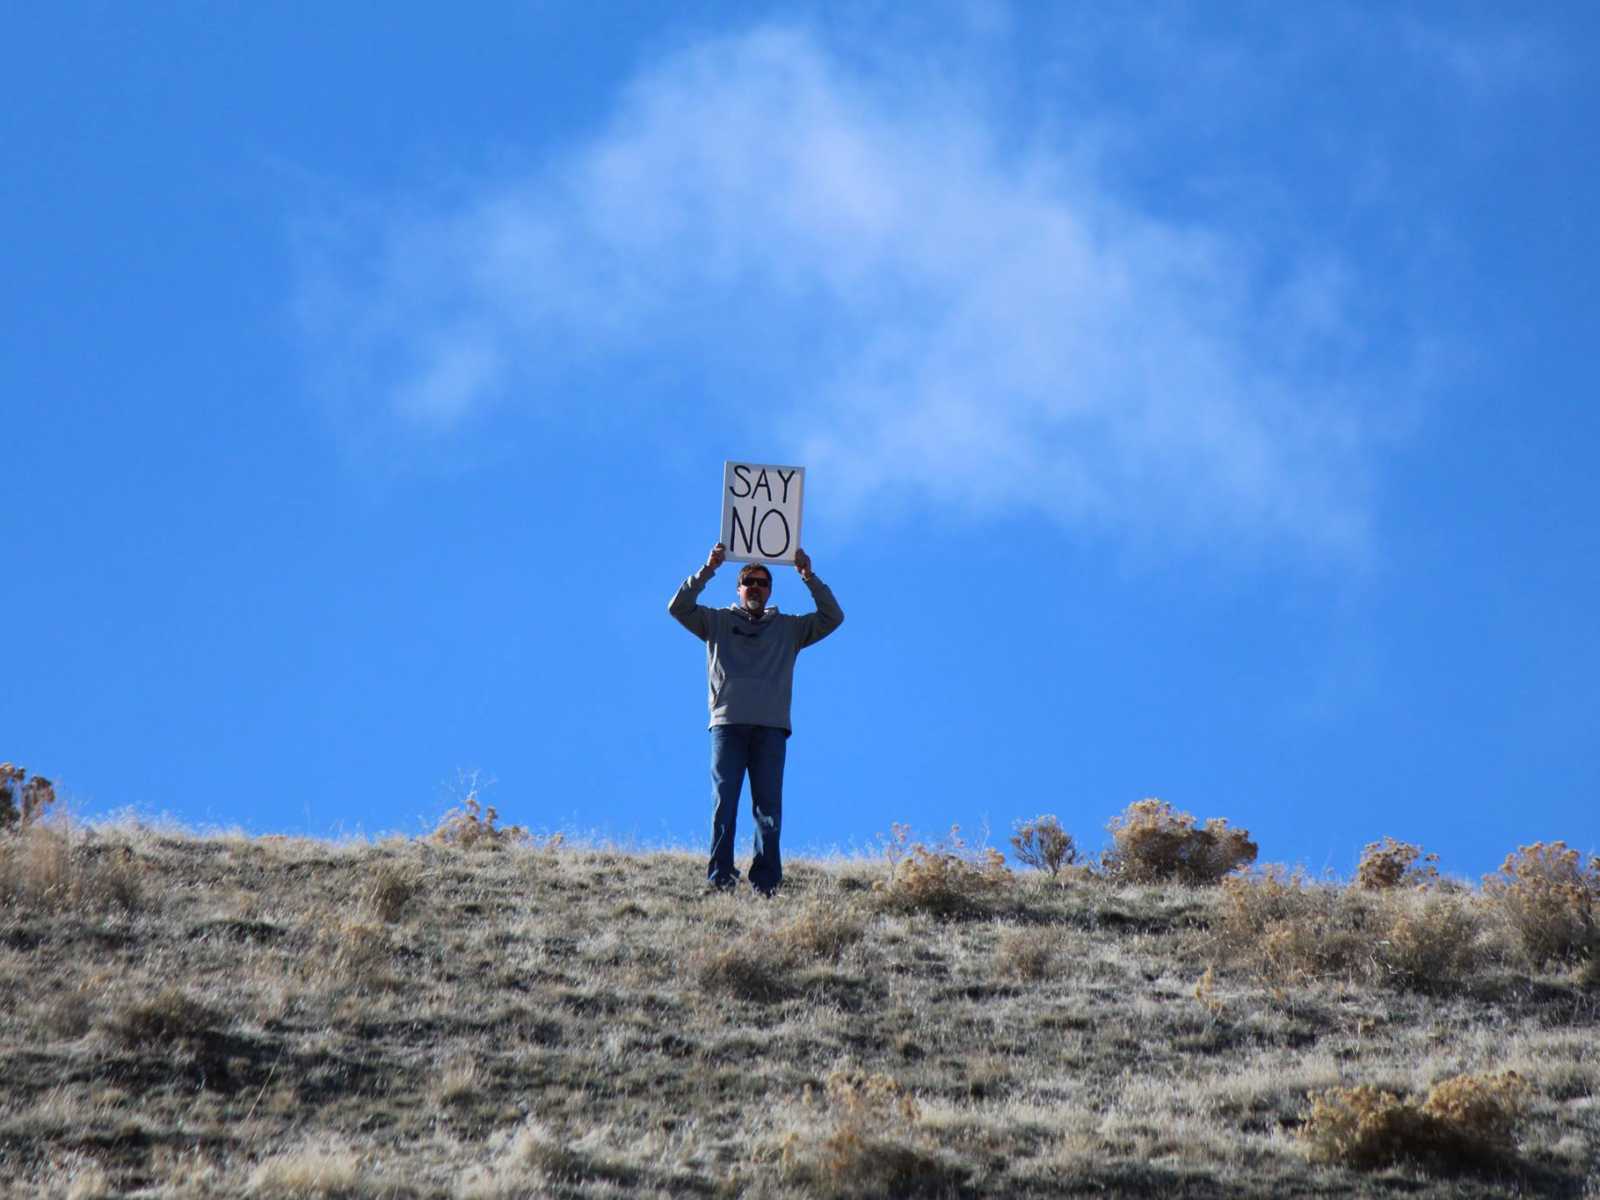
(755,586)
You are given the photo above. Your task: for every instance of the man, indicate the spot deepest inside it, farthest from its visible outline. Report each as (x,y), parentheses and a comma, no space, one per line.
(750,653)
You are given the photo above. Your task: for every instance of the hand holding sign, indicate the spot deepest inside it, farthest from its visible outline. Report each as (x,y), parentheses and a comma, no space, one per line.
(761,512)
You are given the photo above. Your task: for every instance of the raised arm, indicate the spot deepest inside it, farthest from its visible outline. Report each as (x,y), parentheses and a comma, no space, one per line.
(696,618)
(829,616)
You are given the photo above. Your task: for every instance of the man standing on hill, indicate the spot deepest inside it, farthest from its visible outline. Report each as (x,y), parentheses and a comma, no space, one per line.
(750,653)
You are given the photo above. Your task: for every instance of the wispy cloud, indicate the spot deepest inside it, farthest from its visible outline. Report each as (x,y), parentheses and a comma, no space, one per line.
(943,317)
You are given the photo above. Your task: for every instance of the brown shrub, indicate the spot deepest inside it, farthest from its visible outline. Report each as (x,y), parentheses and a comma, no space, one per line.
(22,800)
(950,879)
(870,1144)
(1390,864)
(1030,953)
(1429,944)
(752,967)
(1043,845)
(1467,1121)
(171,1016)
(1155,843)
(1288,929)
(1550,900)
(471,826)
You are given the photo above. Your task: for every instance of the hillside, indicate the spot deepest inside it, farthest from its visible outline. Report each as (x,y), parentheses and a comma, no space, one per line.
(233,1016)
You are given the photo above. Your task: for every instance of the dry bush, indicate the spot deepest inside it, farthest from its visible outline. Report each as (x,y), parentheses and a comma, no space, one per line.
(1155,843)
(1029,953)
(42,871)
(870,1144)
(1390,864)
(1286,929)
(1289,930)
(1431,943)
(950,879)
(755,967)
(471,826)
(171,1017)
(1043,845)
(22,800)
(1551,900)
(1467,1121)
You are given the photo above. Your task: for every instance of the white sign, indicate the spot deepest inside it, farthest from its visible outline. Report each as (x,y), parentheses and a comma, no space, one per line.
(761,511)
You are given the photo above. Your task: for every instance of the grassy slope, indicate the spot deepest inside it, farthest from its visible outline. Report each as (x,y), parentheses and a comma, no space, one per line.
(231,1016)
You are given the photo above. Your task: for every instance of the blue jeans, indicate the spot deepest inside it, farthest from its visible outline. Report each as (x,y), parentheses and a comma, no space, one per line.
(735,751)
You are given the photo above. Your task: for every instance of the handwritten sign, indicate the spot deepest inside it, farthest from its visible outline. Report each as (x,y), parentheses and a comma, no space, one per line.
(761,511)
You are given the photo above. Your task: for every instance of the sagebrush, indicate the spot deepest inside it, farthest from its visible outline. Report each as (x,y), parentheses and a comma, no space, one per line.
(1551,899)
(1466,1121)
(948,879)
(1155,843)
(1044,845)
(1392,864)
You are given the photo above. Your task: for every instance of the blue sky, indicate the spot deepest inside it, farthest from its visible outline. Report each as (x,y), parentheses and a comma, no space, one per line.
(1196,402)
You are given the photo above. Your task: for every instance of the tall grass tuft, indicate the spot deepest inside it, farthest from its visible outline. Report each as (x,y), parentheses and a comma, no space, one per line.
(44,868)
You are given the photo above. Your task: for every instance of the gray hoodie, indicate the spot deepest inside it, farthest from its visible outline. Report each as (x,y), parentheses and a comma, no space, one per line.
(749,659)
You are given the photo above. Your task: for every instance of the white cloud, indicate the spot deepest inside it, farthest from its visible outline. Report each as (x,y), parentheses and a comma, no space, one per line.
(986,329)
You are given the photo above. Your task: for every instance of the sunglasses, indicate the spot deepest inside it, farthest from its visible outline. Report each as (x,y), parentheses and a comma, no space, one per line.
(756,581)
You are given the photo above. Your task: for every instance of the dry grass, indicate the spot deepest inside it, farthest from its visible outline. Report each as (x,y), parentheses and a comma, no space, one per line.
(43,868)
(417,1019)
